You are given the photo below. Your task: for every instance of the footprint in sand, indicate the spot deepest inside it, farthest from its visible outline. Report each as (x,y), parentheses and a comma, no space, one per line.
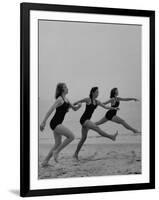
(75,164)
(132,157)
(89,158)
(60,172)
(112,153)
(138,160)
(46,166)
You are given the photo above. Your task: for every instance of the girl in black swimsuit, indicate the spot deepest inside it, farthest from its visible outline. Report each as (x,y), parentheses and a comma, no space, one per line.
(91,105)
(62,106)
(60,114)
(111,114)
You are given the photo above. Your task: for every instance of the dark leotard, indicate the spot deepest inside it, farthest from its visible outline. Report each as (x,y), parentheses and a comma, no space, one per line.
(88,112)
(111,113)
(59,115)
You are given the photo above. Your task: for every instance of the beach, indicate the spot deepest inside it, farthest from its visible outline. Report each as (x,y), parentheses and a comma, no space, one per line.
(95,159)
(99,156)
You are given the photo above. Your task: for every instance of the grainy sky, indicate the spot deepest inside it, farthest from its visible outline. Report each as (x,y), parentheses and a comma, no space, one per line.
(84,55)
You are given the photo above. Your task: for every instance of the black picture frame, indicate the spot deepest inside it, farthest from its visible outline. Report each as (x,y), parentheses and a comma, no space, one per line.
(25,8)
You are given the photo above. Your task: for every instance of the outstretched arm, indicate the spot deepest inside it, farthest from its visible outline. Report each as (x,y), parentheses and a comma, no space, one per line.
(107,102)
(75,107)
(106,107)
(127,99)
(81,101)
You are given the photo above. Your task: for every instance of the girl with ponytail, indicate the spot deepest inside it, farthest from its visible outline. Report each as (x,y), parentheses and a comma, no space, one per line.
(61,105)
(112,114)
(85,120)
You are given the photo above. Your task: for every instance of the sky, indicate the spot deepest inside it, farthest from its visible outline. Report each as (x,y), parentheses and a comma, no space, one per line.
(84,55)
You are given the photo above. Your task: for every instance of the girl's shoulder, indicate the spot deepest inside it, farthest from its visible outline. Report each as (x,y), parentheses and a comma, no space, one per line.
(97,101)
(112,99)
(67,101)
(88,100)
(59,100)
(117,98)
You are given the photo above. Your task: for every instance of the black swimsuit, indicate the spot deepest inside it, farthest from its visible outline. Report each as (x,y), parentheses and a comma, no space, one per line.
(111,113)
(59,115)
(88,112)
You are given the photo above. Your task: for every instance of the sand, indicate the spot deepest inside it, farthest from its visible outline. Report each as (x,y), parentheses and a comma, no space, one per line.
(100,159)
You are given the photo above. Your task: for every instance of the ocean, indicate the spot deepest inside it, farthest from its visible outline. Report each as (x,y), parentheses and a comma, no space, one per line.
(129,111)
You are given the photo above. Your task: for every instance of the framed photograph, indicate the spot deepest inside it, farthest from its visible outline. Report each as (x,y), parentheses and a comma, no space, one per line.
(87,99)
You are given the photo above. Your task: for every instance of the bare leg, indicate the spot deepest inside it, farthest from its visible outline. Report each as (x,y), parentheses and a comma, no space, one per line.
(122,122)
(50,154)
(101,121)
(62,130)
(81,142)
(89,124)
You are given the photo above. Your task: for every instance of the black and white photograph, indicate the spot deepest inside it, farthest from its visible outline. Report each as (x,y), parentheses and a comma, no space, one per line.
(95,70)
(90,92)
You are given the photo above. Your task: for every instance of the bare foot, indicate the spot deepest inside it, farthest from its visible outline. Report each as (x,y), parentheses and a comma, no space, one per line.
(75,157)
(55,154)
(44,163)
(136,132)
(114,136)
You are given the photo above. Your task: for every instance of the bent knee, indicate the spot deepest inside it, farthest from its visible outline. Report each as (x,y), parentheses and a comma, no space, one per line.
(71,137)
(58,144)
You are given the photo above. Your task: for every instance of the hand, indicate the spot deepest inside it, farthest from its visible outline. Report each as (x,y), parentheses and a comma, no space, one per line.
(115,108)
(79,105)
(42,126)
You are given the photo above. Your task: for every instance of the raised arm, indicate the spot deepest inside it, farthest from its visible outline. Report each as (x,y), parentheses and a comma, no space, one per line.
(106,107)
(127,99)
(57,103)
